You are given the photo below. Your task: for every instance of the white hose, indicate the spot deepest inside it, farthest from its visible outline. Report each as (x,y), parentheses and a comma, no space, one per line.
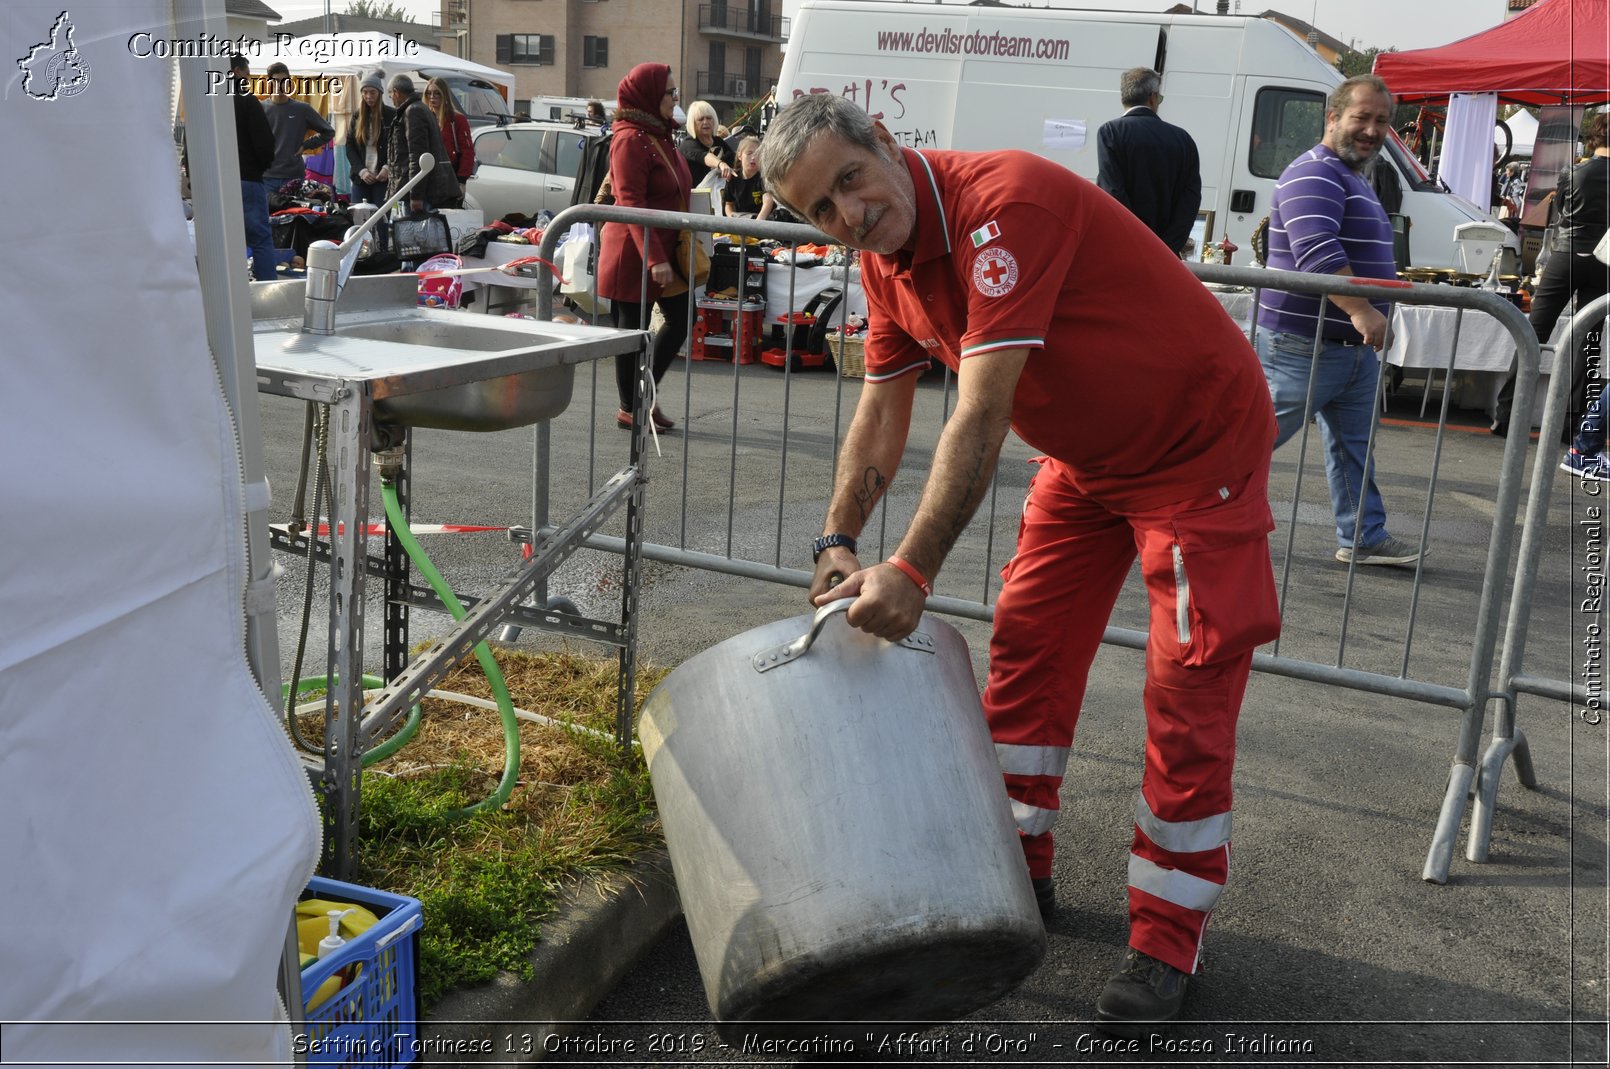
(481,703)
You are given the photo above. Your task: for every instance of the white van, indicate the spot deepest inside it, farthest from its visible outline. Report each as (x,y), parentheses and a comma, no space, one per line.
(1250,92)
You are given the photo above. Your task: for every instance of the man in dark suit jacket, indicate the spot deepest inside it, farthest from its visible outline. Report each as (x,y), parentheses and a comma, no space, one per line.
(1149,165)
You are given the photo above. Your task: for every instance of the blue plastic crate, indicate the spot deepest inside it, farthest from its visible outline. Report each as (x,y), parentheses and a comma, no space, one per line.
(374,1019)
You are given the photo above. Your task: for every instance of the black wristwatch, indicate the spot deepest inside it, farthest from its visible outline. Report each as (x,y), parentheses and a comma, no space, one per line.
(822,544)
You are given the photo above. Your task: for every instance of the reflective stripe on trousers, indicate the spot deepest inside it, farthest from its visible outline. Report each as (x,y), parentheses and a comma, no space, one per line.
(1018,760)
(1210,590)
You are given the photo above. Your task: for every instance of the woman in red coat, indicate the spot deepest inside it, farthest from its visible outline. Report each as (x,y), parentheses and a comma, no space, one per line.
(646,171)
(455,134)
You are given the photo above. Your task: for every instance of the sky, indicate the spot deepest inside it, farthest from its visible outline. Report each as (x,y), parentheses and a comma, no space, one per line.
(1400,24)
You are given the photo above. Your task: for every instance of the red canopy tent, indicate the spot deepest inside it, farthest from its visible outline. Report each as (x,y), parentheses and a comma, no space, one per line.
(1558,52)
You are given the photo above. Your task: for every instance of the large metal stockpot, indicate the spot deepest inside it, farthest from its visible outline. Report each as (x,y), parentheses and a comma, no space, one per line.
(839,830)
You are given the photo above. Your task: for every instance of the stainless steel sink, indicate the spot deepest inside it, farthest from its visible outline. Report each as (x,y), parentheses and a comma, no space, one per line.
(454,370)
(437,330)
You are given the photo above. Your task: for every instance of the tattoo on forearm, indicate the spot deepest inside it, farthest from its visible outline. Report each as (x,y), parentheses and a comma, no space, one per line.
(867,495)
(971,493)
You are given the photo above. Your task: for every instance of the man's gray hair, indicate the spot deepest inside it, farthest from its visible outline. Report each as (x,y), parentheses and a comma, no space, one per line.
(797,125)
(1137,86)
(1341,98)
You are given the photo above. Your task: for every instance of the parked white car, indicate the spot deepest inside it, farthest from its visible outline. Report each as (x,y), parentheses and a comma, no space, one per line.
(478,99)
(526,167)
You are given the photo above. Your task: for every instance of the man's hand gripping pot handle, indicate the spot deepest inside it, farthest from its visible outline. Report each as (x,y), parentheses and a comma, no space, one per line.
(888,603)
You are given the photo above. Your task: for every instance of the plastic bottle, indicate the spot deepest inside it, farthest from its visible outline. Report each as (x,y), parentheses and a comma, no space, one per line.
(333,942)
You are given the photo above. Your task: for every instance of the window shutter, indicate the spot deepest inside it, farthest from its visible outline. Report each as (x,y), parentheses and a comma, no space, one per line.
(505,47)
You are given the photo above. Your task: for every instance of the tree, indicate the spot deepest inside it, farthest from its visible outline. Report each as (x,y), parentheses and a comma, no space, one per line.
(374,9)
(1352,62)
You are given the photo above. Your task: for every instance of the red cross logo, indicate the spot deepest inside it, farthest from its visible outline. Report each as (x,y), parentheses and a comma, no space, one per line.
(995,271)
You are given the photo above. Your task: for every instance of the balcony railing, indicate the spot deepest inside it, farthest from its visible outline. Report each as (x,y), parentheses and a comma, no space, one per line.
(730,86)
(741,22)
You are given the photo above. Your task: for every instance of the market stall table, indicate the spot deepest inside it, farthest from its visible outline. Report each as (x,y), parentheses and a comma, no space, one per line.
(505,291)
(1423,337)
(807,283)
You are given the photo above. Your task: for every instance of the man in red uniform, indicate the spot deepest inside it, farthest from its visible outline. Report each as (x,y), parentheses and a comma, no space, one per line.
(1068,321)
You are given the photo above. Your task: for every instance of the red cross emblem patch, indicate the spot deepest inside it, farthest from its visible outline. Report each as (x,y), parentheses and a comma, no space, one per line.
(994,271)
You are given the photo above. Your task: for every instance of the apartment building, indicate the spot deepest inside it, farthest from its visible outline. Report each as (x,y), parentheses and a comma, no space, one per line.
(728,52)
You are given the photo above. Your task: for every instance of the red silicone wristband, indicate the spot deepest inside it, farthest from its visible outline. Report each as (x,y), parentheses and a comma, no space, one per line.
(914,575)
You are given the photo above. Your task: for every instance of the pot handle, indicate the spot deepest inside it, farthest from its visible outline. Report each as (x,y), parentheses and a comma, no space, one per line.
(767,659)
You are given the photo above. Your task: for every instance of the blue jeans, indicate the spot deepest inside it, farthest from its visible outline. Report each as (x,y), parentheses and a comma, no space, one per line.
(1346,378)
(259,233)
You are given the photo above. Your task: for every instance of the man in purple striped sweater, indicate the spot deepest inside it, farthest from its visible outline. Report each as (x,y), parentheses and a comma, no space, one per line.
(1326,219)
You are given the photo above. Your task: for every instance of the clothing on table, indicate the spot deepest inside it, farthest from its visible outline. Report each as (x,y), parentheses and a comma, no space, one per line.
(746,195)
(292,121)
(1151,167)
(1013,251)
(1324,217)
(320,166)
(646,171)
(694,151)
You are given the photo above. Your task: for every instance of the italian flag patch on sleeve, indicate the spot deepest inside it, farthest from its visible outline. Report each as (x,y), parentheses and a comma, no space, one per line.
(986,233)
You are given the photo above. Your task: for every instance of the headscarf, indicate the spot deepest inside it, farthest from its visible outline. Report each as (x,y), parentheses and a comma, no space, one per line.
(639,96)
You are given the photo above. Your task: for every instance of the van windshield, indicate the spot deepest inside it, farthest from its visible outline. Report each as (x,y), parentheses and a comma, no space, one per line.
(1285,124)
(1409,164)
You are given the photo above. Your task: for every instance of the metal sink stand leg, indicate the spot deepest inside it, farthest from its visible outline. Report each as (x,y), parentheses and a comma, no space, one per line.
(350,418)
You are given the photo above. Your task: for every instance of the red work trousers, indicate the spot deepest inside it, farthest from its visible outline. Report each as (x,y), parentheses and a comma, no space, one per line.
(1211,591)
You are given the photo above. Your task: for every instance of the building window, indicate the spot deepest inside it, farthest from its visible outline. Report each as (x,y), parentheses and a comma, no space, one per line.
(534,48)
(595,51)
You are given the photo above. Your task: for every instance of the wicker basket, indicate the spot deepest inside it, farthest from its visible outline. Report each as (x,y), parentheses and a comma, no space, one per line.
(851,356)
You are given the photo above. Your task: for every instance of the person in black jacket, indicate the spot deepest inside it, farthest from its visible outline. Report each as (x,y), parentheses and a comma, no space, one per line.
(413,132)
(1148,165)
(255,143)
(1581,201)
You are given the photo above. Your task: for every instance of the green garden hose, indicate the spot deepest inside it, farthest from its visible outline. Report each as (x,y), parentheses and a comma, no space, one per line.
(375,753)
(483,652)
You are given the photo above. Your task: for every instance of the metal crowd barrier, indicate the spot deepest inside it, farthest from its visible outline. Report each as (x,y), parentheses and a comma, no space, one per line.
(1513,679)
(991,530)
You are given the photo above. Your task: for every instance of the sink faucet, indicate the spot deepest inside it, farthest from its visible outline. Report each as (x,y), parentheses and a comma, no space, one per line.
(330,265)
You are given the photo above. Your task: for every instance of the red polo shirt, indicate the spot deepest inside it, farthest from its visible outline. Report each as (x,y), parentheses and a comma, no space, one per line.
(1138,380)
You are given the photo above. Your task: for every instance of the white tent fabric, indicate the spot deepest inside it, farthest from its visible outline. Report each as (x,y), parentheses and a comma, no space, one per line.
(1467,155)
(368,50)
(1523,133)
(155,826)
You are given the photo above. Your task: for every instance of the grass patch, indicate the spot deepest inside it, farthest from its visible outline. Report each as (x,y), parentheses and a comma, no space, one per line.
(487,881)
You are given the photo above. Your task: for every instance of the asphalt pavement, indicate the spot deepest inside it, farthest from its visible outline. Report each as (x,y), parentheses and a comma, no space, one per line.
(1326,947)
